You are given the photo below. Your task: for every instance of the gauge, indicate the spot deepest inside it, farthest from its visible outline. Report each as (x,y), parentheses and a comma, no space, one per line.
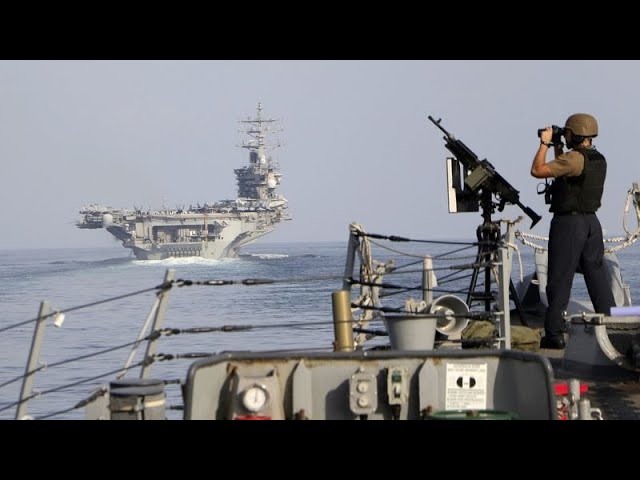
(255,398)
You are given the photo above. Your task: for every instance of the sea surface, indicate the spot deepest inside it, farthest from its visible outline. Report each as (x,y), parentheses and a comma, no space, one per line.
(295,312)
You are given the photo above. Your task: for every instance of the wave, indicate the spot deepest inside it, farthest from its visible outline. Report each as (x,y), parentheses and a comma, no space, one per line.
(173,261)
(268,256)
(107,261)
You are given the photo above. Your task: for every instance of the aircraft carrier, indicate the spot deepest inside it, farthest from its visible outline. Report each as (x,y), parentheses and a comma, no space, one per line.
(213,230)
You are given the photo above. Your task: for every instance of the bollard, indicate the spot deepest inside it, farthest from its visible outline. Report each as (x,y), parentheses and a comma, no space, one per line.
(137,399)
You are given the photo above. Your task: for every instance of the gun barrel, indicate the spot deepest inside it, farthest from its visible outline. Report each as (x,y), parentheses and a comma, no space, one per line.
(437,124)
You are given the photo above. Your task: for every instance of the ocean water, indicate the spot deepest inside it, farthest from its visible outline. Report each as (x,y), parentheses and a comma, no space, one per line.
(293,313)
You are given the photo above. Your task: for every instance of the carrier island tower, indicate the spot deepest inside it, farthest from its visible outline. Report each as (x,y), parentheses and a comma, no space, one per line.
(213,230)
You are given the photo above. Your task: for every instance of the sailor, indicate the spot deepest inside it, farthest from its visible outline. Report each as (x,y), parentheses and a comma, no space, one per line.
(575,234)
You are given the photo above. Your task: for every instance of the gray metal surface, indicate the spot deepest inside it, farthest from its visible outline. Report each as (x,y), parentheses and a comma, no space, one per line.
(326,386)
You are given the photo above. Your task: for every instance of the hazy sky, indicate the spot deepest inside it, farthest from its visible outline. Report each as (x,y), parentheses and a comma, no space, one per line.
(358,147)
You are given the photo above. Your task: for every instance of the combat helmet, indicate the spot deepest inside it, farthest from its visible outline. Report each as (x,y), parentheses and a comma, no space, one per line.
(582,124)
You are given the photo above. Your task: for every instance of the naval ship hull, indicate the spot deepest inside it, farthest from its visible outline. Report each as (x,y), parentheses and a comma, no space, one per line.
(210,237)
(206,249)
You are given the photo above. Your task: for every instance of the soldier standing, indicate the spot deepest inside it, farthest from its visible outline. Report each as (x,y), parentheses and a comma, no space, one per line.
(575,234)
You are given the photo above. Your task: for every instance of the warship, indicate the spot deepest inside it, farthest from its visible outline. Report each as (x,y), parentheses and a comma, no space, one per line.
(432,367)
(213,230)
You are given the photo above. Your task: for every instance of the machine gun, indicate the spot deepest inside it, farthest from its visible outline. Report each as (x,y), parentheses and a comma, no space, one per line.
(482,175)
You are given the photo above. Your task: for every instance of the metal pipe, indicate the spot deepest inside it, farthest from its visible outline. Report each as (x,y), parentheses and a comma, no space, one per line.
(428,280)
(504,317)
(584,409)
(342,321)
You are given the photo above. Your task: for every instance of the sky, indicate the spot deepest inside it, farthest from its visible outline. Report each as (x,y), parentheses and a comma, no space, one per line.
(358,146)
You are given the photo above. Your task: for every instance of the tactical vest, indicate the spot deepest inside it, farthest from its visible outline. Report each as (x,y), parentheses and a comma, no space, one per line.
(584,192)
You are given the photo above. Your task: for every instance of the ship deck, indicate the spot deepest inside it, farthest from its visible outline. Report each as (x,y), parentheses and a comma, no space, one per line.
(614,390)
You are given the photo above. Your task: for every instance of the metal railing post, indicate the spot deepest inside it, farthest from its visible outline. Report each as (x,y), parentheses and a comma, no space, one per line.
(158,318)
(32,362)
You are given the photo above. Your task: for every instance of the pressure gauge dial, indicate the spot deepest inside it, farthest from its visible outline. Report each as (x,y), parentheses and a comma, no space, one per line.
(255,398)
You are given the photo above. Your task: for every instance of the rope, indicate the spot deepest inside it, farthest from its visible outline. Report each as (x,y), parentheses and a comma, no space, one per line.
(434,290)
(627,241)
(164,357)
(20,377)
(238,328)
(252,281)
(395,238)
(59,412)
(164,286)
(630,239)
(442,256)
(63,387)
(152,336)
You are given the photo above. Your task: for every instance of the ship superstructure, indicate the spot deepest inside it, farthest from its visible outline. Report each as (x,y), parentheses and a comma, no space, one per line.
(213,230)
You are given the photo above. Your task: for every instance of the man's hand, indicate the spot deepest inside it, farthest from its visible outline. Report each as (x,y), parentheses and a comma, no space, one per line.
(546,135)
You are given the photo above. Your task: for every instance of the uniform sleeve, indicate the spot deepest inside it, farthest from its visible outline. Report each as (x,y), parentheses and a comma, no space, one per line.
(568,164)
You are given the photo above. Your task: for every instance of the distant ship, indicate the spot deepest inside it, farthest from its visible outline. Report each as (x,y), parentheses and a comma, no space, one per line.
(213,231)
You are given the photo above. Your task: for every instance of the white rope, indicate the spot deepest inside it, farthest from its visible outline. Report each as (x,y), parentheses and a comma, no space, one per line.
(523,238)
(627,241)
(633,196)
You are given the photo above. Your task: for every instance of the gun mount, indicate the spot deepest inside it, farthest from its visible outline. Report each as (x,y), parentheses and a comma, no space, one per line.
(472,184)
(481,181)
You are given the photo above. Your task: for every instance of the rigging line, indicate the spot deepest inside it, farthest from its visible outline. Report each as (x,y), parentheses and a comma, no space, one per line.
(460,266)
(404,290)
(434,290)
(381,285)
(391,286)
(410,264)
(151,336)
(385,247)
(86,401)
(161,357)
(442,256)
(371,332)
(80,382)
(237,328)
(92,304)
(252,281)
(20,377)
(21,401)
(63,387)
(395,238)
(451,277)
(59,412)
(471,314)
(462,257)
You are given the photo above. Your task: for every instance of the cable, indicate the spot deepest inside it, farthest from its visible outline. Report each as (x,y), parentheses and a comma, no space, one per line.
(164,286)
